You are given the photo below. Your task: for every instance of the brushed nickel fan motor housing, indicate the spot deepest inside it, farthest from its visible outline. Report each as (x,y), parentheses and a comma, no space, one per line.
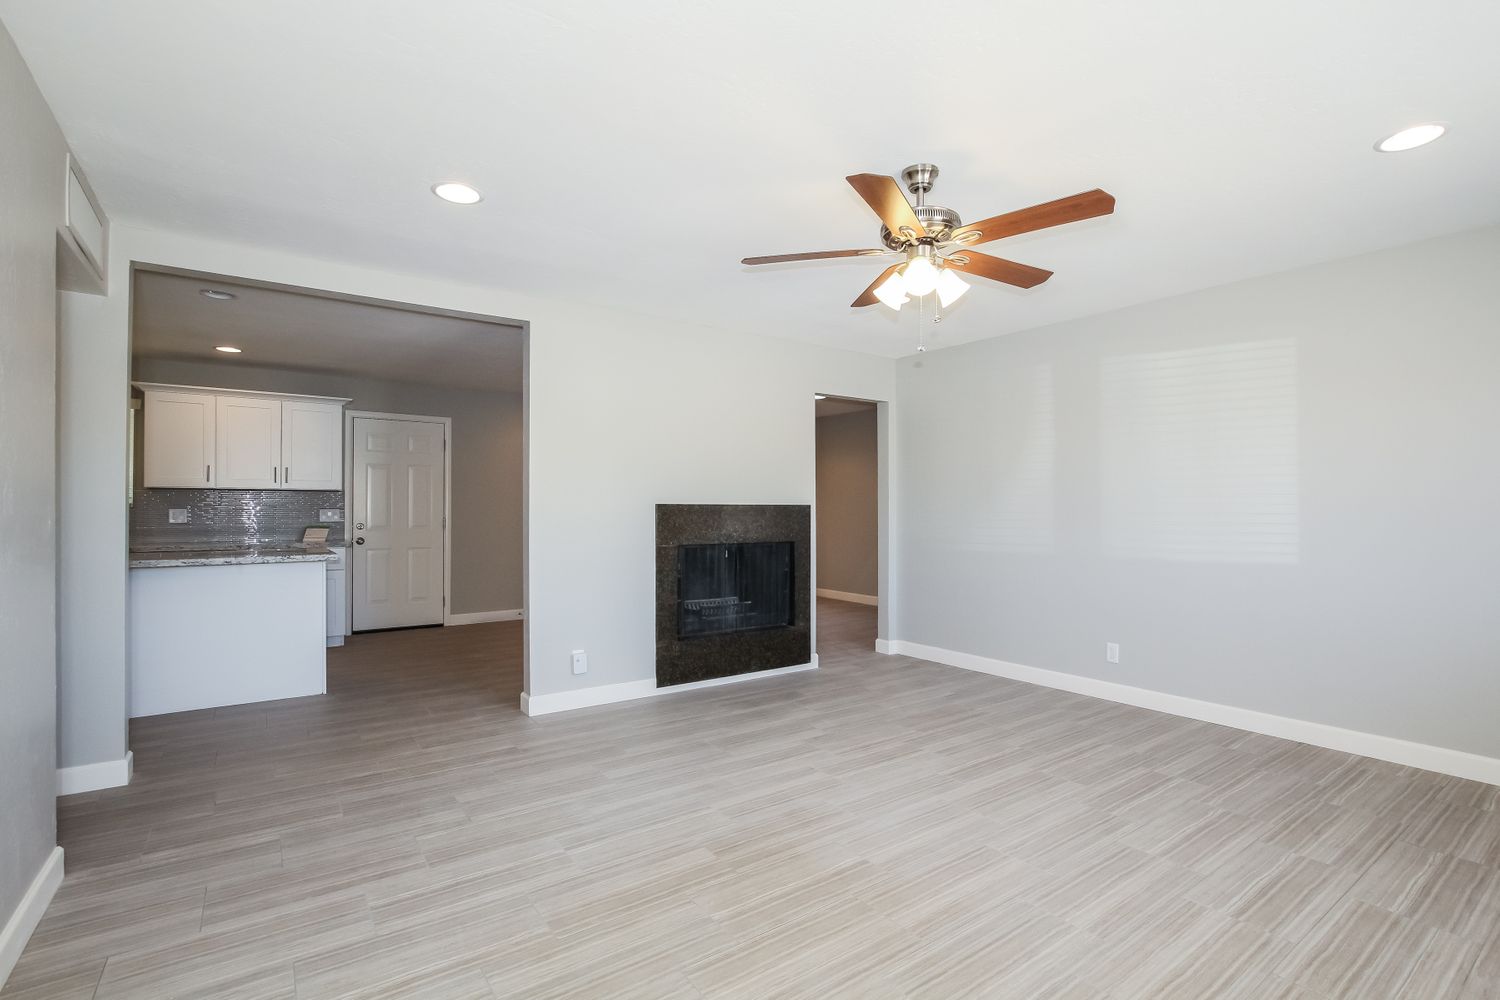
(937,220)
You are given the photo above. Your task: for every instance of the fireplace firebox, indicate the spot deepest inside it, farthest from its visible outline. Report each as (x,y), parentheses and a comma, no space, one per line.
(732,589)
(738,587)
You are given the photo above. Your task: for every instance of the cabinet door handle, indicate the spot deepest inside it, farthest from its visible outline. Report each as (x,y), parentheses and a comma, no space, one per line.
(286,476)
(274,472)
(207,474)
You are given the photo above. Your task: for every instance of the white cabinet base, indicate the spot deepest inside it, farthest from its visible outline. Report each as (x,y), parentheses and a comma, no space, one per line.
(206,636)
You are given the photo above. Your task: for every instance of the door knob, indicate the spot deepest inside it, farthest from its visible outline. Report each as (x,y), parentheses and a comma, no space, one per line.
(359,541)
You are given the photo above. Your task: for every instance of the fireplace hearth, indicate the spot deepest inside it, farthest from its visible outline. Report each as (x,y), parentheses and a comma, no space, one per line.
(731,589)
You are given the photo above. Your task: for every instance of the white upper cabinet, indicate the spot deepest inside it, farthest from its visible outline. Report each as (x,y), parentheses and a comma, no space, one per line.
(198,437)
(179,439)
(312,445)
(248,443)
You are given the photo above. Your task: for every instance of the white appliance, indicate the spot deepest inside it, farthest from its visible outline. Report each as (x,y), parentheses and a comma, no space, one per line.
(337,601)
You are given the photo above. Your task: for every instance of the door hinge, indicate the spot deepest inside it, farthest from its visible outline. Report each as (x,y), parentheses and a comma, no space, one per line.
(445,520)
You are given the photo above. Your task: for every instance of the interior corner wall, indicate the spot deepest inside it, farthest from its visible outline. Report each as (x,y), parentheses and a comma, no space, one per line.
(33,157)
(848,484)
(1279,495)
(485,451)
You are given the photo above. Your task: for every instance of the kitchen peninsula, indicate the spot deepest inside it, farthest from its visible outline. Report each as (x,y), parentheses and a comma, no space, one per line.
(226,626)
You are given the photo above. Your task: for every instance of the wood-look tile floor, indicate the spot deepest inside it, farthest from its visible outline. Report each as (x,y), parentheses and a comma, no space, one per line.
(879,828)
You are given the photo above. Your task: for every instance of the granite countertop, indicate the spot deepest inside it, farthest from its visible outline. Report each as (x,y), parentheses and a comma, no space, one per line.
(230,555)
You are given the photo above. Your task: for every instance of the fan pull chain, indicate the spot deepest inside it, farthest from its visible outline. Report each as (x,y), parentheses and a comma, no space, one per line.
(921,328)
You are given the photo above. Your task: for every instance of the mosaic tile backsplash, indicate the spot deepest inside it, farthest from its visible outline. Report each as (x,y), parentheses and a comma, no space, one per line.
(236,517)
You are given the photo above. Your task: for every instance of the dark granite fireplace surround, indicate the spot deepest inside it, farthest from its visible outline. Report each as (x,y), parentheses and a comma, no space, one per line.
(758,641)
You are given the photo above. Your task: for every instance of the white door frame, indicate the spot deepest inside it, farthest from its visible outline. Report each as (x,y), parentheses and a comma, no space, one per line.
(447,423)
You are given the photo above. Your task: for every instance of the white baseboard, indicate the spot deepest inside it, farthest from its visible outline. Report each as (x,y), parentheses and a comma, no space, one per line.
(737,678)
(28,912)
(1458,763)
(844,595)
(476,617)
(609,694)
(92,777)
(604,694)
(885,645)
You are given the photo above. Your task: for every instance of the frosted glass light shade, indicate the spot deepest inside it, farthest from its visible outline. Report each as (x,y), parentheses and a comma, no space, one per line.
(892,291)
(950,287)
(921,276)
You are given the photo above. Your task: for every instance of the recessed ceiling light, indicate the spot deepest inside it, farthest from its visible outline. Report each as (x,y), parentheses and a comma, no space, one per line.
(819,395)
(217,294)
(459,194)
(1411,138)
(228,350)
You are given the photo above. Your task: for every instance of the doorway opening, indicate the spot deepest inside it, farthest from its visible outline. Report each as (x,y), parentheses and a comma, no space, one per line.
(847,530)
(397,436)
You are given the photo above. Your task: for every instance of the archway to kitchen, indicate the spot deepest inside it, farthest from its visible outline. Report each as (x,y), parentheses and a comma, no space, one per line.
(270,418)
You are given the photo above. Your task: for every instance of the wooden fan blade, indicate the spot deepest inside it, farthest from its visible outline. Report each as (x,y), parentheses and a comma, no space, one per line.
(997,269)
(815,255)
(1053,213)
(867,297)
(884,195)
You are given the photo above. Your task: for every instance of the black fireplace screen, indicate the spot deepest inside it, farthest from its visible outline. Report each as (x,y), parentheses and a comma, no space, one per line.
(733,588)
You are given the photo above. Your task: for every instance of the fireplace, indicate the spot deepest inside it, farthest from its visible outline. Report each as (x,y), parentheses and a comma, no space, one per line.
(738,587)
(731,589)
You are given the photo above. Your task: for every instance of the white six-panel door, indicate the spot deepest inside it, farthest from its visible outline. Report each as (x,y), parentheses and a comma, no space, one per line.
(397,511)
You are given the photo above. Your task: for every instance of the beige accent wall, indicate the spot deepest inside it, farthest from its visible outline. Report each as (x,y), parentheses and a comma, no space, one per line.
(486,450)
(32,161)
(848,547)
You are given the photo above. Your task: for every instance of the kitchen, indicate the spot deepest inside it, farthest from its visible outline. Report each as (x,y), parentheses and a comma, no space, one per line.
(267,420)
(255,570)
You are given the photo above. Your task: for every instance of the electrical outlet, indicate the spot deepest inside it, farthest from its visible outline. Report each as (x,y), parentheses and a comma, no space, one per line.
(177,515)
(1112,652)
(580,662)
(330,514)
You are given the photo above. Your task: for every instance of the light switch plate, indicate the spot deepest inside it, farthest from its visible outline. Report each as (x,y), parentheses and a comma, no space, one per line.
(177,515)
(330,514)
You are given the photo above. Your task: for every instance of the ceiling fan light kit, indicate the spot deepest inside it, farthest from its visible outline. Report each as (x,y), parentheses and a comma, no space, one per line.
(934,241)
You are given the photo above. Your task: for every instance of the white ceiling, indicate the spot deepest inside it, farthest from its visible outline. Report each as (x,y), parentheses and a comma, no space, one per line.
(631,153)
(288,329)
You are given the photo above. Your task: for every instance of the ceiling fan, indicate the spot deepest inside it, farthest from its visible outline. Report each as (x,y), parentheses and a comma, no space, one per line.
(936,244)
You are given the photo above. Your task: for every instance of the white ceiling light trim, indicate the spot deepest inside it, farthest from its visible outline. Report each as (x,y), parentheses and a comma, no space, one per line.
(457,193)
(1411,138)
(226,349)
(217,294)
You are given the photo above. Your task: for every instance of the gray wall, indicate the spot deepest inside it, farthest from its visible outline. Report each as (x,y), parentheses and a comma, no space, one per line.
(1280,494)
(848,483)
(486,449)
(32,157)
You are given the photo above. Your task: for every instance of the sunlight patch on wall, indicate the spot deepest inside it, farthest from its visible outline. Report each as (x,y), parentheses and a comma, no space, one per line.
(1199,453)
